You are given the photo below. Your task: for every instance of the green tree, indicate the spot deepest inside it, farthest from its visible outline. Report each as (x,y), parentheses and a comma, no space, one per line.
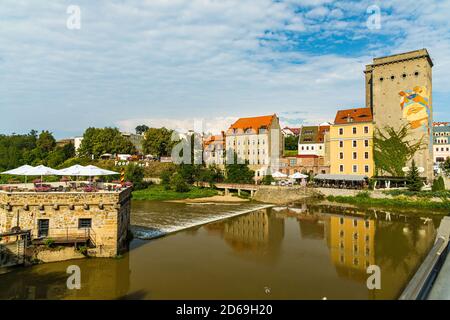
(46,142)
(438,184)
(97,141)
(445,167)
(392,149)
(414,180)
(141,129)
(135,174)
(178,183)
(267,180)
(291,143)
(239,173)
(158,142)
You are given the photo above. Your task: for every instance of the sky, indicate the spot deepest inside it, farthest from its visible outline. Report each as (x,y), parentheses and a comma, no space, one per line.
(174,63)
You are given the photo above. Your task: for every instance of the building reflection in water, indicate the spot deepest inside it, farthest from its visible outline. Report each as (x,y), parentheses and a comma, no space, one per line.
(259,233)
(100,279)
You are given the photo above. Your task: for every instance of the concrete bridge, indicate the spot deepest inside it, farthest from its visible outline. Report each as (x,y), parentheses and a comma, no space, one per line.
(227,187)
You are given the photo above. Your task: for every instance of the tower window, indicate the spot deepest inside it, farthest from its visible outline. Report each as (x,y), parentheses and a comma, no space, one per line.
(392,77)
(404,75)
(416,73)
(381,79)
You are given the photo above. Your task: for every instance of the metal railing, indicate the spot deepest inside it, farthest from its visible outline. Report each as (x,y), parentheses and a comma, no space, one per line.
(422,282)
(67,235)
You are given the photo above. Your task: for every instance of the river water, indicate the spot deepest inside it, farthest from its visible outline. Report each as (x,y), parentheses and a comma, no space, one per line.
(308,251)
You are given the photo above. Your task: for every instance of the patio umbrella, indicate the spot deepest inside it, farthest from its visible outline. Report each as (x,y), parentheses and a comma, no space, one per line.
(279,175)
(298,175)
(19,171)
(92,171)
(42,171)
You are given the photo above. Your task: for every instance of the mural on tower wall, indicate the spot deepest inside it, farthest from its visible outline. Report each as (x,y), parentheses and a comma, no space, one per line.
(416,109)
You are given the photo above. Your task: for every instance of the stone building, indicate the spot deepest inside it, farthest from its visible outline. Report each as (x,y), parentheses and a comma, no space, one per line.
(257,140)
(100,219)
(399,92)
(308,163)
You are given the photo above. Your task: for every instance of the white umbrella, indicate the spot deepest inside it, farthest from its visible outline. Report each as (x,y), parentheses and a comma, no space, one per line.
(278,175)
(19,171)
(42,171)
(298,175)
(96,171)
(74,170)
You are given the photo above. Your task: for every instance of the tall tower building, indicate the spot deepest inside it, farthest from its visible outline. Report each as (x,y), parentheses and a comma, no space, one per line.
(399,92)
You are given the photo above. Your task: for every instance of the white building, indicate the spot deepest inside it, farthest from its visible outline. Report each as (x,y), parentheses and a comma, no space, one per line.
(441,142)
(256,140)
(214,149)
(312,139)
(77,143)
(136,139)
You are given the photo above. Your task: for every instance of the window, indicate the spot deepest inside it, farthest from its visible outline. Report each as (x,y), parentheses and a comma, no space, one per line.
(312,147)
(354,130)
(341,168)
(341,220)
(367,223)
(366,143)
(292,162)
(354,144)
(392,77)
(341,131)
(320,148)
(355,222)
(366,169)
(355,168)
(341,155)
(355,156)
(416,73)
(366,129)
(341,144)
(355,236)
(366,155)
(341,234)
(84,223)
(303,148)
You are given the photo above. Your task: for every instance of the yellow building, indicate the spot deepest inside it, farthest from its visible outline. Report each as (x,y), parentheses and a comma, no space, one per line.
(351,143)
(352,245)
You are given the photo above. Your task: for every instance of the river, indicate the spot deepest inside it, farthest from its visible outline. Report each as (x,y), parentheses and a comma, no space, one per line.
(239,251)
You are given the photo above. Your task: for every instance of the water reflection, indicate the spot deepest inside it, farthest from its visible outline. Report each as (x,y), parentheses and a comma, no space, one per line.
(303,252)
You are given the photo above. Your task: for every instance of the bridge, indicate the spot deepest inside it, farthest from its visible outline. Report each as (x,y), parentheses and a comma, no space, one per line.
(227,187)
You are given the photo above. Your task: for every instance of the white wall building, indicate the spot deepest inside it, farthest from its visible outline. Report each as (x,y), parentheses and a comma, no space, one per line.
(441,143)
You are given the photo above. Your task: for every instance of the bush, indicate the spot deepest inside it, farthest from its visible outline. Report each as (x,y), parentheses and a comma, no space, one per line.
(438,185)
(165,179)
(49,243)
(135,174)
(267,180)
(178,183)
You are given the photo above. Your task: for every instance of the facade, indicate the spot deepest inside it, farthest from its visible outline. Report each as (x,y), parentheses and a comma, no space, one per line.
(441,143)
(100,218)
(257,140)
(312,140)
(399,92)
(136,139)
(64,142)
(351,143)
(77,143)
(310,163)
(214,150)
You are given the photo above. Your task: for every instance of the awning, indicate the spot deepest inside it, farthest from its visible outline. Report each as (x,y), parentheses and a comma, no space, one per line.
(341,177)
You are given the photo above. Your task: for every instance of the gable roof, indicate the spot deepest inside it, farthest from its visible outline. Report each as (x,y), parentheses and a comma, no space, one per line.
(254,122)
(295,131)
(353,116)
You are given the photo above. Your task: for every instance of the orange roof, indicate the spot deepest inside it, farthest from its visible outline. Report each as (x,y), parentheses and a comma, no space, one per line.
(353,116)
(254,123)
(214,139)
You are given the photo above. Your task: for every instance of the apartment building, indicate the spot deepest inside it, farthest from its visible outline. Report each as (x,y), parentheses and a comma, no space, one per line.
(441,142)
(256,140)
(312,139)
(351,143)
(214,149)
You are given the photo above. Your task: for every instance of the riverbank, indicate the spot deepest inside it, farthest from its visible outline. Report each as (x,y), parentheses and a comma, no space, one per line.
(159,193)
(381,199)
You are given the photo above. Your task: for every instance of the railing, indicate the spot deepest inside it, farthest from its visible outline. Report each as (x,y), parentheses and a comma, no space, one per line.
(66,235)
(422,282)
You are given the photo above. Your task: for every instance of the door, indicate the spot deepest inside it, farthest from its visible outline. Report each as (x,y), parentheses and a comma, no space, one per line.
(43,228)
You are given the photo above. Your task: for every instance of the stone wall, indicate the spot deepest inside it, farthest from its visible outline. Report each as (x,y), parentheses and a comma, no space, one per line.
(281,195)
(108,211)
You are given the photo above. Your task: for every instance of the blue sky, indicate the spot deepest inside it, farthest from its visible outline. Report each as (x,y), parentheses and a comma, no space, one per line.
(170,62)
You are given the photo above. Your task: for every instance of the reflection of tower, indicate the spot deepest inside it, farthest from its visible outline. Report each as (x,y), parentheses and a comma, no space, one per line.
(351,242)
(255,232)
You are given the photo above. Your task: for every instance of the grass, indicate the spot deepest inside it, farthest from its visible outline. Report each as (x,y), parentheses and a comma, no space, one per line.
(290,153)
(419,194)
(159,193)
(364,199)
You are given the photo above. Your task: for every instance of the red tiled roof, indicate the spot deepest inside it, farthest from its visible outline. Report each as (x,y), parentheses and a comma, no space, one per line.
(322,131)
(214,139)
(295,131)
(254,123)
(353,116)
